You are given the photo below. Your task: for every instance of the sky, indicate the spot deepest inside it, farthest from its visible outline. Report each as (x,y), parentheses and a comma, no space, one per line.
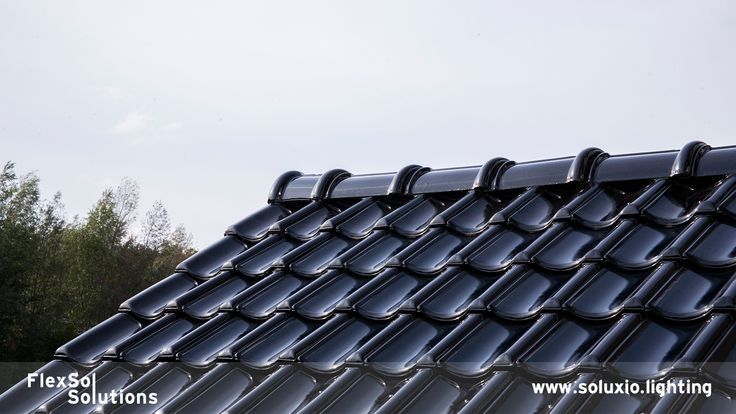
(205,106)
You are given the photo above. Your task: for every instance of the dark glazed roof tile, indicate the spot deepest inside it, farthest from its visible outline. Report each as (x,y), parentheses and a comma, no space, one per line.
(506,393)
(354,391)
(568,248)
(451,294)
(201,346)
(676,203)
(285,391)
(471,214)
(431,254)
(261,348)
(533,210)
(212,393)
(326,349)
(371,255)
(607,291)
(654,348)
(424,393)
(260,300)
(715,248)
(305,226)
(692,292)
(151,302)
(358,221)
(495,249)
(166,380)
(398,347)
(146,345)
(642,246)
(472,347)
(207,262)
(262,257)
(382,297)
(204,300)
(525,296)
(413,218)
(319,299)
(720,365)
(255,227)
(89,347)
(563,347)
(636,166)
(601,205)
(317,255)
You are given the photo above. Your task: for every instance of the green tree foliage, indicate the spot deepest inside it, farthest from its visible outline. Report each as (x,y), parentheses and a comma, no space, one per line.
(60,277)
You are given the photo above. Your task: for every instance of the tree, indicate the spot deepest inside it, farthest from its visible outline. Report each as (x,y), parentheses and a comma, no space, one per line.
(59,277)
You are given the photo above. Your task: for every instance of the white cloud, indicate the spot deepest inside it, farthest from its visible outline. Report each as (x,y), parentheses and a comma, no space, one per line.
(133,122)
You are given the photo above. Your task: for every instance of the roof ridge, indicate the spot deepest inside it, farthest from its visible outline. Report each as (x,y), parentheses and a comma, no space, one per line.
(695,158)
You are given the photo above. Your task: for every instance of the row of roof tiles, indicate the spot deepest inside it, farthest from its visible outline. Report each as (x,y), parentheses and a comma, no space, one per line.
(228,387)
(494,248)
(664,202)
(592,164)
(671,290)
(549,345)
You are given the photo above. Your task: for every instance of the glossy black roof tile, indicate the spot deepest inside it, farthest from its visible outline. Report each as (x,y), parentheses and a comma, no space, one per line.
(260,300)
(413,218)
(382,297)
(208,261)
(144,346)
(151,302)
(89,347)
(607,291)
(355,391)
(371,255)
(263,256)
(495,249)
(213,392)
(201,346)
(327,348)
(166,380)
(262,347)
(397,349)
(315,256)
(642,246)
(320,298)
(205,300)
(448,290)
(450,295)
(424,393)
(567,249)
(471,214)
(358,221)
(527,293)
(431,254)
(285,391)
(474,345)
(255,227)
(654,348)
(715,247)
(533,210)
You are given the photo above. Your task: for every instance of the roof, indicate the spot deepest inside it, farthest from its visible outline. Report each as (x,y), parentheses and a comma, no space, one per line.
(441,290)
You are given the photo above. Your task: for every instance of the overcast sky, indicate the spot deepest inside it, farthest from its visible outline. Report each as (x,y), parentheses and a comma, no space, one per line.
(205,107)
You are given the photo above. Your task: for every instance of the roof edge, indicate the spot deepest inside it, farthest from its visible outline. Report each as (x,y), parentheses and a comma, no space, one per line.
(695,158)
